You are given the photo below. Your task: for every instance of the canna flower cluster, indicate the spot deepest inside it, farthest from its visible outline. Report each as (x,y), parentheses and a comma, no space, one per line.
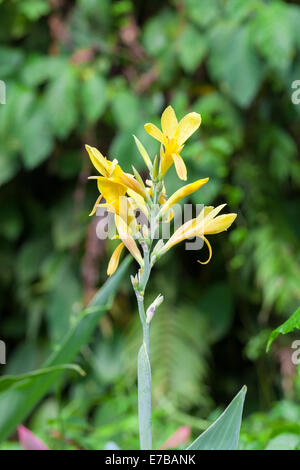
(123,194)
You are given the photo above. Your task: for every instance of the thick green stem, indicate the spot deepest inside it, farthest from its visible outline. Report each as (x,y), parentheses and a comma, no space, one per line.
(144,369)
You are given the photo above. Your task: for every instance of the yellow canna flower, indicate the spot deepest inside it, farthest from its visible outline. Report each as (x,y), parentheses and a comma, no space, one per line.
(172,137)
(181,193)
(206,223)
(115,259)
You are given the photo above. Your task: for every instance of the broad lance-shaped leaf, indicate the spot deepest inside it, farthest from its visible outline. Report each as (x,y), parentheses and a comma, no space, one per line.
(224,433)
(288,326)
(17,402)
(144,388)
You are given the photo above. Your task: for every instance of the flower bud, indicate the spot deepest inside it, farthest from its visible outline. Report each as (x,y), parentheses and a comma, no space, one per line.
(151,310)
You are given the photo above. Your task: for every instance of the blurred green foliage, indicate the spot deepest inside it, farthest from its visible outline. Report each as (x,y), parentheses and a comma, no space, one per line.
(94,71)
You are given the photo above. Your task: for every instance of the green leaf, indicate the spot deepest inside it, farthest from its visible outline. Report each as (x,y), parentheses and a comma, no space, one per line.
(291,324)
(202,12)
(61,101)
(94,97)
(10,59)
(34,9)
(284,441)
(191,48)
(273,35)
(25,398)
(224,433)
(9,380)
(126,110)
(144,394)
(241,74)
(36,140)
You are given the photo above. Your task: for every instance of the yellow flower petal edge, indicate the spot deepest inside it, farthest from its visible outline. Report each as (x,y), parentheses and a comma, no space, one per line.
(180,166)
(102,165)
(127,239)
(181,193)
(154,131)
(96,205)
(169,122)
(115,259)
(187,126)
(209,251)
(139,202)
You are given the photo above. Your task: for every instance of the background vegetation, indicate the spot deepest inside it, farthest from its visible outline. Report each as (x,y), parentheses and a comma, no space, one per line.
(93,71)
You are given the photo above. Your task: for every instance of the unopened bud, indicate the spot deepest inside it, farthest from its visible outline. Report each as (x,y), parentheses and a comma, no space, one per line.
(157,248)
(134,281)
(155,168)
(151,310)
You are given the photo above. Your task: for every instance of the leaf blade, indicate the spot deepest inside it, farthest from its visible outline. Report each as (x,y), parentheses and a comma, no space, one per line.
(288,326)
(27,396)
(223,434)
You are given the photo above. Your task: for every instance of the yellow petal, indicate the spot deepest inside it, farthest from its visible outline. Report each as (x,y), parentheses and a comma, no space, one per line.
(187,230)
(166,161)
(154,131)
(209,212)
(110,190)
(128,180)
(180,166)
(219,224)
(169,122)
(209,252)
(143,153)
(181,193)
(115,259)
(98,160)
(191,228)
(96,205)
(187,126)
(127,239)
(139,202)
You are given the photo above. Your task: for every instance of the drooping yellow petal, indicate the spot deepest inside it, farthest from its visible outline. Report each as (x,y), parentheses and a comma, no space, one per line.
(209,251)
(127,239)
(169,122)
(180,166)
(98,160)
(220,223)
(96,205)
(143,153)
(154,131)
(187,126)
(115,259)
(181,193)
